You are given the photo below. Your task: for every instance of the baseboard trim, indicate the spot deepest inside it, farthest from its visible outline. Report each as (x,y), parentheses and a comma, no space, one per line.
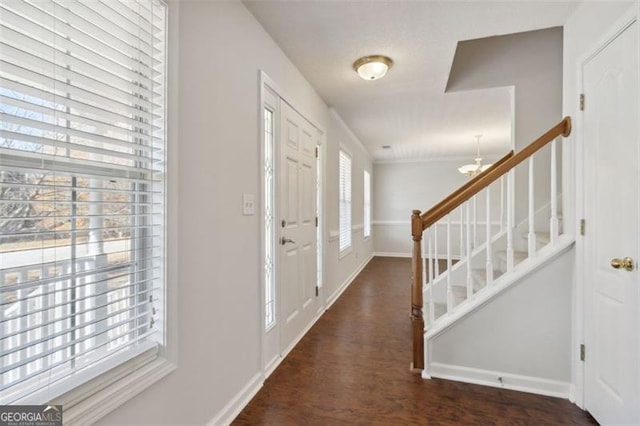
(390,254)
(275,362)
(336,294)
(394,254)
(238,402)
(242,398)
(510,381)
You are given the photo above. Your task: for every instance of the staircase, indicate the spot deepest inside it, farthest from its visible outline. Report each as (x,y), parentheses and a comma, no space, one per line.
(469,247)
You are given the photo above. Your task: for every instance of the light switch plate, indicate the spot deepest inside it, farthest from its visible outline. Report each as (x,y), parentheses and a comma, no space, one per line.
(248,204)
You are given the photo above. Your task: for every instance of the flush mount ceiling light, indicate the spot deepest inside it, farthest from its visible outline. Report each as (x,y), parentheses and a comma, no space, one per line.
(372,67)
(477,168)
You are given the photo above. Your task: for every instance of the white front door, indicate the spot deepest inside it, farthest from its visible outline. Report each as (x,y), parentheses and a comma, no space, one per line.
(612,194)
(297,225)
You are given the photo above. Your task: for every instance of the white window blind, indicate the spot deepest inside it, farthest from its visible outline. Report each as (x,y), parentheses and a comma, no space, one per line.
(367,204)
(345,201)
(82,190)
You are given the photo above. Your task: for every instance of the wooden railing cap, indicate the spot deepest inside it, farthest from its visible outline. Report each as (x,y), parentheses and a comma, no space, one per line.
(498,169)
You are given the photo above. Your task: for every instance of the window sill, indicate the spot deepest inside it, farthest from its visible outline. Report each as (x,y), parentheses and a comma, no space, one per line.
(106,399)
(345,252)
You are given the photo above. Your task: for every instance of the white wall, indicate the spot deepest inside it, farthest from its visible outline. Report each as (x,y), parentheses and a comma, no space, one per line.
(217,49)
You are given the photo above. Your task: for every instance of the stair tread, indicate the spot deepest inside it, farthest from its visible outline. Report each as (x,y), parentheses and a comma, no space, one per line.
(517,255)
(439,309)
(480,277)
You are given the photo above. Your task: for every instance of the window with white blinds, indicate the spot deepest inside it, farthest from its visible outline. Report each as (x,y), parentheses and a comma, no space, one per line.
(82,190)
(345,201)
(367,204)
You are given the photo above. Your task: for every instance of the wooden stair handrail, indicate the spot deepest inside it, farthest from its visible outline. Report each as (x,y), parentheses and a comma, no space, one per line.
(492,174)
(421,221)
(473,181)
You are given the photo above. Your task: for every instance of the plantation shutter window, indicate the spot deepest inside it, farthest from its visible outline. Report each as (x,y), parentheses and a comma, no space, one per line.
(345,201)
(82,191)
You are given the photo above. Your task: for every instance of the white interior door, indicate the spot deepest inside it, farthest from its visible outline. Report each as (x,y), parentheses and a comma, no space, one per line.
(612,172)
(297,224)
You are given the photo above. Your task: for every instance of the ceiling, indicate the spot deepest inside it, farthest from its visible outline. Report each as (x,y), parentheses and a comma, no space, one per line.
(408,109)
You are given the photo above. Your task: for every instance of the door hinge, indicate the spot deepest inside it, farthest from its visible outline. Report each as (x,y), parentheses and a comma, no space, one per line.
(317,291)
(582,352)
(316,221)
(316,152)
(581,101)
(583,226)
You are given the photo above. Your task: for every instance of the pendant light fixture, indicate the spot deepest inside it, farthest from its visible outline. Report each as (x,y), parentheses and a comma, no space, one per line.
(477,168)
(372,67)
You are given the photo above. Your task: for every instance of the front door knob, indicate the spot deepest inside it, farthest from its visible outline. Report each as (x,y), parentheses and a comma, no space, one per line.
(626,263)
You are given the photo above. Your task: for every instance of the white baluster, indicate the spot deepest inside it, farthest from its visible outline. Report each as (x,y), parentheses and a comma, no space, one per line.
(469,276)
(436,266)
(432,313)
(532,233)
(461,227)
(510,214)
(475,222)
(488,231)
(502,203)
(449,289)
(553,225)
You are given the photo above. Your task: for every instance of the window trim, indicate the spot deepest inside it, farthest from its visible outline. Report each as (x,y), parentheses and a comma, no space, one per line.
(93,400)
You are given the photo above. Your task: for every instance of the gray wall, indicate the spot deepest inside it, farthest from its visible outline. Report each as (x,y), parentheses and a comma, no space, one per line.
(401,187)
(532,63)
(522,332)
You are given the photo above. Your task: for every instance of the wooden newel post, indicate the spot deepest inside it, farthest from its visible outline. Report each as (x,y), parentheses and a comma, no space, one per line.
(417,319)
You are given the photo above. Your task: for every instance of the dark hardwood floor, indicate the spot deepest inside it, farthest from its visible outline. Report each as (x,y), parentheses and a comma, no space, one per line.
(352,367)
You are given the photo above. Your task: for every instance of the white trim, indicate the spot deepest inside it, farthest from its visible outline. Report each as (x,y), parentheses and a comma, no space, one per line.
(116,394)
(242,398)
(440,223)
(336,294)
(238,402)
(269,82)
(345,252)
(400,254)
(452,159)
(275,362)
(390,254)
(510,381)
(390,222)
(334,235)
(349,132)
